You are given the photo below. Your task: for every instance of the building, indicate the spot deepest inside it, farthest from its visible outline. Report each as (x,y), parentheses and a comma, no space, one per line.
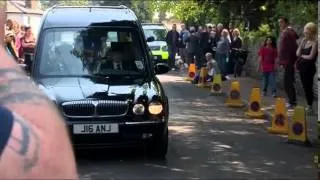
(26,12)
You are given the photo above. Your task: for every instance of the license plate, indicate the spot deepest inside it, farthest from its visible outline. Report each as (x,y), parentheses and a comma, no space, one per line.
(95,128)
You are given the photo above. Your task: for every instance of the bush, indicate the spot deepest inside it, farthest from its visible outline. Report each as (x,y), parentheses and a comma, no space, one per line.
(254,37)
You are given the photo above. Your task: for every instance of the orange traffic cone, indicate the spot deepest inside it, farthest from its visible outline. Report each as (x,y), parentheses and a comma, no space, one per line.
(255,104)
(202,80)
(234,99)
(216,88)
(298,131)
(191,72)
(279,124)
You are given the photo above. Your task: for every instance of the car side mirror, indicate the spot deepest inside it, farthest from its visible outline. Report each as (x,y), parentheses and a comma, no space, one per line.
(161,68)
(150,39)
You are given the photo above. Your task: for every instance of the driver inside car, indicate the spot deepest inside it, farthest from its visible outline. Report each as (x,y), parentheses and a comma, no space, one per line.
(114,62)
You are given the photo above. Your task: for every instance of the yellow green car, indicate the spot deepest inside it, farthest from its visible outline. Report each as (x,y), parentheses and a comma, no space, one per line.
(158,45)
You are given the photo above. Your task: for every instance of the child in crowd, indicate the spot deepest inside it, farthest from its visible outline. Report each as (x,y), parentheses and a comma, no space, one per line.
(211,67)
(267,65)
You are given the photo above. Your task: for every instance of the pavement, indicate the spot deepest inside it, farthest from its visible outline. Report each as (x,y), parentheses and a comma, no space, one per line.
(207,140)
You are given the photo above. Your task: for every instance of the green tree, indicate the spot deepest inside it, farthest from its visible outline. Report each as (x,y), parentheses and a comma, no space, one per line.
(112,2)
(143,9)
(49,3)
(194,13)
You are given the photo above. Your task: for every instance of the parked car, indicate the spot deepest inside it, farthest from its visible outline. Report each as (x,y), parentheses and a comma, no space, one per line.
(94,64)
(156,38)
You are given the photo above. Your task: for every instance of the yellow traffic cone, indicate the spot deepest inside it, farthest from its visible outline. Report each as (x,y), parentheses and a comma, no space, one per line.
(216,88)
(234,99)
(255,104)
(298,131)
(191,72)
(279,124)
(202,80)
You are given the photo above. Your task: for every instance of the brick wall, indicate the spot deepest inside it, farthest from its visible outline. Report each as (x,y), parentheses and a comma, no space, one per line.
(32,4)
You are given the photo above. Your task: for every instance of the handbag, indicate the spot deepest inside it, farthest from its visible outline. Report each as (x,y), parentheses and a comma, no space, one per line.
(300,60)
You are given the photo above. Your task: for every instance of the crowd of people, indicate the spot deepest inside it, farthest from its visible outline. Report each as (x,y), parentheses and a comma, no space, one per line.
(219,49)
(193,46)
(20,42)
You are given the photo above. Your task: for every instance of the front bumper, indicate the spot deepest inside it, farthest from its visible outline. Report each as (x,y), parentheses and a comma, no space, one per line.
(160,56)
(130,134)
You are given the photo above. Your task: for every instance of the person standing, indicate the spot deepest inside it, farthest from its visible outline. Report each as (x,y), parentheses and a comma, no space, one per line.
(204,44)
(200,28)
(193,47)
(231,28)
(267,65)
(28,43)
(307,53)
(236,45)
(172,40)
(10,39)
(19,34)
(182,43)
(222,52)
(219,31)
(287,58)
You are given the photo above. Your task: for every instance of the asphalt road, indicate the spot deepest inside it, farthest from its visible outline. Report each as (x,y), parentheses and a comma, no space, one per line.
(207,140)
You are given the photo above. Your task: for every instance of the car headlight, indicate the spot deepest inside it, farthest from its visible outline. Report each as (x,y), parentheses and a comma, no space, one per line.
(164,48)
(155,108)
(138,109)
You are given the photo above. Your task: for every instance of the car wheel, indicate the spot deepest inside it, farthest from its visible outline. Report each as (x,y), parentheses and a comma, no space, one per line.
(159,147)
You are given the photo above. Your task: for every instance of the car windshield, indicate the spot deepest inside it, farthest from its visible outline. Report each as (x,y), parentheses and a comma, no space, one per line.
(158,34)
(91,51)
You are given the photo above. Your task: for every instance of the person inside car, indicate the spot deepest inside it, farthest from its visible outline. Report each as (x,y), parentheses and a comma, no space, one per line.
(119,59)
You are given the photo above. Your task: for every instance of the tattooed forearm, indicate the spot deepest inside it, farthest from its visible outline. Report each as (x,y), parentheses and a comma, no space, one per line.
(15,87)
(25,144)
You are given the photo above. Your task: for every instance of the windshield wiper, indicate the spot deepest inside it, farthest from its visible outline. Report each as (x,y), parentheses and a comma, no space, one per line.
(95,76)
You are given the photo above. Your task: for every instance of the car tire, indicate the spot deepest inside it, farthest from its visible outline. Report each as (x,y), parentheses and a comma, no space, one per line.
(159,147)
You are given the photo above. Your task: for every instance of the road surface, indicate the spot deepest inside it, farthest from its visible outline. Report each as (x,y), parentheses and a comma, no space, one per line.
(207,140)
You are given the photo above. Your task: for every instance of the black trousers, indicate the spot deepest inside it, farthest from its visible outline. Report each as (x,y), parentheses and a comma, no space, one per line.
(172,56)
(28,61)
(289,84)
(193,57)
(307,72)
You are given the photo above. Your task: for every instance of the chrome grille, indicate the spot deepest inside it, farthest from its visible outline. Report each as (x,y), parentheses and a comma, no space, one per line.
(95,108)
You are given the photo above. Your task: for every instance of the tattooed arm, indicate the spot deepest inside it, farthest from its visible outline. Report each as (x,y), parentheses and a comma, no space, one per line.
(37,145)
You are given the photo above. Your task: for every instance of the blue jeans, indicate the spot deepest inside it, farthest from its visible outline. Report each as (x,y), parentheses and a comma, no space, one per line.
(197,78)
(269,79)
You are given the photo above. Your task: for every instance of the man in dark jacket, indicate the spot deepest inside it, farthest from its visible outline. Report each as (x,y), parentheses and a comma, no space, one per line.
(172,40)
(193,49)
(204,44)
(287,58)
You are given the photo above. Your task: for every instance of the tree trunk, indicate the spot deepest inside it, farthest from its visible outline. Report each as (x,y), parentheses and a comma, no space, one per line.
(3,18)
(162,16)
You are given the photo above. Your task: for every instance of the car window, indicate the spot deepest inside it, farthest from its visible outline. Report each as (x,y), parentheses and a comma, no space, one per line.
(158,34)
(91,51)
